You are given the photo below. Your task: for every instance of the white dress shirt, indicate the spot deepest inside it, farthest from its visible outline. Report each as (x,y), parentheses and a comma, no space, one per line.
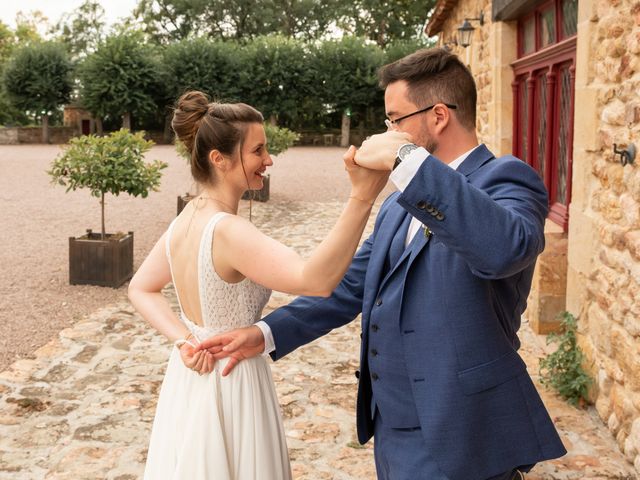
(401,177)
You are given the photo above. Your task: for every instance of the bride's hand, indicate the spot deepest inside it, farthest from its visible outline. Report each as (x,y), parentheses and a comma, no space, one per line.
(366,183)
(201,362)
(238,345)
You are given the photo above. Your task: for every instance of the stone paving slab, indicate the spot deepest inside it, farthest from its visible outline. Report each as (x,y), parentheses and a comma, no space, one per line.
(82,406)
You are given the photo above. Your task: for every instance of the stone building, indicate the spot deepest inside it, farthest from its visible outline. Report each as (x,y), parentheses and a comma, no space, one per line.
(558,84)
(78,118)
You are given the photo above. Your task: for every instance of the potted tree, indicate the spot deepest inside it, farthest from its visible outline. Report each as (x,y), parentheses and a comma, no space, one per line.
(112,164)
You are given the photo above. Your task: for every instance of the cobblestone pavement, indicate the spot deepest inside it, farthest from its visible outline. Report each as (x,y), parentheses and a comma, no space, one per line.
(82,406)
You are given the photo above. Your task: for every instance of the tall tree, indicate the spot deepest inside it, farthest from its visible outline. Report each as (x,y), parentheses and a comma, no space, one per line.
(171,20)
(384,21)
(168,20)
(200,64)
(276,77)
(121,78)
(83,29)
(38,78)
(31,26)
(347,72)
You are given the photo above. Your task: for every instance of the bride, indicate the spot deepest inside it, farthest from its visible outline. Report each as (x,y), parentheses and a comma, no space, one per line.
(206,425)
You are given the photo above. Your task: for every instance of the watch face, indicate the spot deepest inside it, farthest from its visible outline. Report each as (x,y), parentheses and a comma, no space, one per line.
(405,150)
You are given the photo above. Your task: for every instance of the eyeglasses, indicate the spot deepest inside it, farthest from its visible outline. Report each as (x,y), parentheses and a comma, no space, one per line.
(394,123)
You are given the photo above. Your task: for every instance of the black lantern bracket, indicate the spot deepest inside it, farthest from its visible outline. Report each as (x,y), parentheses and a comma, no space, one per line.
(627,155)
(465,31)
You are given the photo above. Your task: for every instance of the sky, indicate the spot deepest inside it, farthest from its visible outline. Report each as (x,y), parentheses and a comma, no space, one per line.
(53,9)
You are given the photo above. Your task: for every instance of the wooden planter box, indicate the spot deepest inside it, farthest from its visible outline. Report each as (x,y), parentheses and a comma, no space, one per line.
(183,200)
(261,195)
(107,262)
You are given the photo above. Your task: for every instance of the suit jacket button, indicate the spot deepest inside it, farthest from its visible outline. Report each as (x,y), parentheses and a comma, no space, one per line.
(374,327)
(375,376)
(440,216)
(357,374)
(374,352)
(422,205)
(378,302)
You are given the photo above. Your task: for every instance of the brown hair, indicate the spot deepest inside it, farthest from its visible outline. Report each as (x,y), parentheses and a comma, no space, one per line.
(435,75)
(203,126)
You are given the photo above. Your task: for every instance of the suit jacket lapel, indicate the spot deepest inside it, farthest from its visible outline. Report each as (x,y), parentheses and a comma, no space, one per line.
(383,244)
(413,249)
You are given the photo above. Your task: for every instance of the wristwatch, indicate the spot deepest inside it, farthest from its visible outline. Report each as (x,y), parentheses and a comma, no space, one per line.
(403,152)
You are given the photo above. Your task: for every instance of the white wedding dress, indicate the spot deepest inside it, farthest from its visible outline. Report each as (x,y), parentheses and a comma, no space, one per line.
(214,427)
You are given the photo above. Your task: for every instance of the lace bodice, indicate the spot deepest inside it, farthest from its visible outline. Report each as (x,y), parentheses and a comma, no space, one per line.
(224,305)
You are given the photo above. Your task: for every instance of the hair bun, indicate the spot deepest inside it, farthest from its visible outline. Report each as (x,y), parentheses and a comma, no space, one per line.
(189,112)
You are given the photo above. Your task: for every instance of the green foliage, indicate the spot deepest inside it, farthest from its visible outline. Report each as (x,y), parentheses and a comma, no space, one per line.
(276,77)
(346,71)
(279,139)
(26,31)
(38,77)
(82,29)
(169,20)
(122,76)
(562,370)
(401,48)
(384,21)
(111,164)
(205,65)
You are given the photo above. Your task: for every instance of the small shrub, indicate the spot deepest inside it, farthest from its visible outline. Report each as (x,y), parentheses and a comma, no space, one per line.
(279,139)
(562,370)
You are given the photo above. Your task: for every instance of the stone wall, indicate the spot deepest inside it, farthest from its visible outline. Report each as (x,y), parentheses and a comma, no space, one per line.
(15,135)
(601,254)
(476,57)
(604,230)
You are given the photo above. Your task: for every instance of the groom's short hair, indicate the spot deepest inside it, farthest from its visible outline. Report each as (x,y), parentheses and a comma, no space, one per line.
(435,75)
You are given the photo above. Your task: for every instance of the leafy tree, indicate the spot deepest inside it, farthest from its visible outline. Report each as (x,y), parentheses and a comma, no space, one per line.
(201,64)
(401,48)
(384,21)
(121,78)
(347,71)
(38,78)
(83,29)
(28,27)
(169,20)
(277,77)
(112,164)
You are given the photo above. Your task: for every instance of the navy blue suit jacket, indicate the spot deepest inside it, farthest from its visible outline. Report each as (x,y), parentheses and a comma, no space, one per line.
(463,295)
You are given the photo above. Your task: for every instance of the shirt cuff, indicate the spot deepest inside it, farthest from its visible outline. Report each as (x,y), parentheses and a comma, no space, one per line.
(404,173)
(269,344)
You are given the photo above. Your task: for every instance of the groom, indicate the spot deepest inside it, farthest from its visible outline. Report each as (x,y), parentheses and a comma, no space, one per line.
(441,284)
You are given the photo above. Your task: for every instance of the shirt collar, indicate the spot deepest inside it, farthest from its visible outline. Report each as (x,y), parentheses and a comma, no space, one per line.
(458,161)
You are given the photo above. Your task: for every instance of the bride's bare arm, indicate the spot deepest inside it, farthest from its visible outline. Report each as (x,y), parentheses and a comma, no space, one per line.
(270,263)
(145,294)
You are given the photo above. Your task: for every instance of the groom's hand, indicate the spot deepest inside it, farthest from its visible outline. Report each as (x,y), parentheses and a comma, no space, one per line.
(238,345)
